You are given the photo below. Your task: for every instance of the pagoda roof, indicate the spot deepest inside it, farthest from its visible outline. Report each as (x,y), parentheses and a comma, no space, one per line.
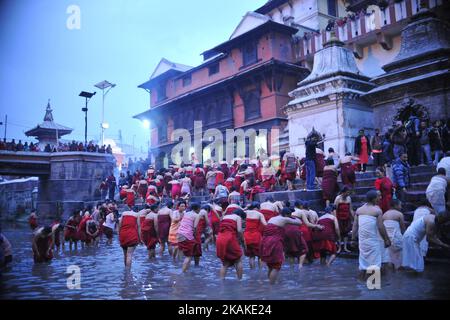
(48,126)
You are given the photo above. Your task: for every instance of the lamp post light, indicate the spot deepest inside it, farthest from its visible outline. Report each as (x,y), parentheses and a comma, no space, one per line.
(87,96)
(104,85)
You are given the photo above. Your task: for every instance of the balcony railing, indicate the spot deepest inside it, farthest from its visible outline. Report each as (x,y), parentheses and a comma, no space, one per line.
(353,28)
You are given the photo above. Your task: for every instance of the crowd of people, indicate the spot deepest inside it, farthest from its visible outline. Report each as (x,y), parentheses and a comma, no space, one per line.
(267,233)
(162,210)
(60,147)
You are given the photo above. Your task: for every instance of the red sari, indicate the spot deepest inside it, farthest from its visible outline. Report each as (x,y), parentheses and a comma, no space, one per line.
(128,233)
(252,237)
(385,186)
(324,241)
(272,245)
(163,227)
(149,233)
(268,214)
(294,243)
(329,185)
(71,233)
(344,218)
(363,154)
(198,236)
(307,236)
(227,245)
(348,174)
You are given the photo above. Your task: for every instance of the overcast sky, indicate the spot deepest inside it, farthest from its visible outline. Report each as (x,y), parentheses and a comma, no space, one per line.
(119,41)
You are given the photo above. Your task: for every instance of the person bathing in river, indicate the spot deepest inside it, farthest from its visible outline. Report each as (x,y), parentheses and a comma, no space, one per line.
(372,235)
(129,234)
(254,224)
(186,235)
(227,245)
(175,219)
(42,245)
(164,225)
(324,240)
(272,243)
(70,229)
(149,229)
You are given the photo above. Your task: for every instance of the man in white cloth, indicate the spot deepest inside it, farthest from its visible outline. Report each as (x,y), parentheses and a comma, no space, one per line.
(420,212)
(426,226)
(395,227)
(436,191)
(373,238)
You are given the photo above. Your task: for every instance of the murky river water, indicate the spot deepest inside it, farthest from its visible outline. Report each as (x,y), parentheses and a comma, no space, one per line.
(103,276)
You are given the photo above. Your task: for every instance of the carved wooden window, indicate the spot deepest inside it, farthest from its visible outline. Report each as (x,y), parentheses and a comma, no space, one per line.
(249,54)
(162,131)
(161,92)
(187,80)
(252,104)
(213,69)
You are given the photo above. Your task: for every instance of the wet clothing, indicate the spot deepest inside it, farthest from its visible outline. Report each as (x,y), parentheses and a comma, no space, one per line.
(252,236)
(272,245)
(227,245)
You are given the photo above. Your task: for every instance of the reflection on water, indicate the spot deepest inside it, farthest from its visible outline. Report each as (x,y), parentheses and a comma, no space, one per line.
(103,276)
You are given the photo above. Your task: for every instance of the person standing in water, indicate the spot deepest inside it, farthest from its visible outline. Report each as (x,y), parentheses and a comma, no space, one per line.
(70,229)
(185,235)
(254,224)
(129,234)
(175,219)
(344,215)
(395,227)
(227,245)
(42,245)
(164,225)
(372,235)
(149,229)
(324,241)
(272,243)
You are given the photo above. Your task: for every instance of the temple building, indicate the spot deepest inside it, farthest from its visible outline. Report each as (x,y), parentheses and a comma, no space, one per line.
(48,132)
(293,65)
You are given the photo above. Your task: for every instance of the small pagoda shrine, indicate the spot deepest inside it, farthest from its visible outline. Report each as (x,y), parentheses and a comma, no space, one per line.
(48,132)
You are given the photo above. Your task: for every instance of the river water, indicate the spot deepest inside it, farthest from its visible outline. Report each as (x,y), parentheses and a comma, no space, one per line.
(103,276)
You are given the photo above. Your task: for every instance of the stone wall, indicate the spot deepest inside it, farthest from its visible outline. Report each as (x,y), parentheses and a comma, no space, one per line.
(73,183)
(16,197)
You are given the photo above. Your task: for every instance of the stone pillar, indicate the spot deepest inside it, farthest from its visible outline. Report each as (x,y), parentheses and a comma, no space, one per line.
(329,100)
(73,182)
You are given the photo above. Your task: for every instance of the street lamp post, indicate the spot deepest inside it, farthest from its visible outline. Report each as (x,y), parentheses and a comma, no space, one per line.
(87,96)
(104,85)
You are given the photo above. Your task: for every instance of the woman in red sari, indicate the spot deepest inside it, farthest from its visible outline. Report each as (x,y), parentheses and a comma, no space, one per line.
(228,242)
(129,235)
(149,230)
(344,215)
(295,246)
(385,186)
(329,181)
(254,224)
(272,243)
(325,240)
(70,229)
(347,170)
(202,228)
(164,225)
(362,149)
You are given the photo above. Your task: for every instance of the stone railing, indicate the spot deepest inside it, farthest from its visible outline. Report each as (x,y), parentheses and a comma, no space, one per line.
(362,25)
